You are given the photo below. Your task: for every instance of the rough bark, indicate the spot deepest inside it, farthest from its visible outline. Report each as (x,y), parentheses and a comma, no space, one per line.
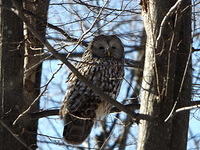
(165,62)
(18,90)
(11,77)
(180,122)
(36,13)
(37,16)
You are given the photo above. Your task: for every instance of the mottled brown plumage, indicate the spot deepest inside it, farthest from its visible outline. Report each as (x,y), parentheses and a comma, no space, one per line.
(102,63)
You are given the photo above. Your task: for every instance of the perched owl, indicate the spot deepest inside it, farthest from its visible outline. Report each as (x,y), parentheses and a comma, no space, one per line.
(102,64)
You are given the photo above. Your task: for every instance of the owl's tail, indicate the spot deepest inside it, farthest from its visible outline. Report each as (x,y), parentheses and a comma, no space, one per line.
(76,130)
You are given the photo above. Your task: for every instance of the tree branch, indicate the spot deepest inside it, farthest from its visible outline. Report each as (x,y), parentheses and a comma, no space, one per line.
(193,105)
(55,112)
(65,34)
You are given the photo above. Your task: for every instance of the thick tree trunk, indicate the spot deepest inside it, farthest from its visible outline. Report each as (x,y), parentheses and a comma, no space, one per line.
(11,77)
(18,90)
(37,16)
(167,53)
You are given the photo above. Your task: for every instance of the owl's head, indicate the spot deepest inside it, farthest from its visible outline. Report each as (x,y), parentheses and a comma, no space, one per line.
(109,46)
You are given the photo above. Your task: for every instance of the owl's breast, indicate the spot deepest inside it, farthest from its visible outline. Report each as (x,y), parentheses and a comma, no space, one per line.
(81,100)
(108,77)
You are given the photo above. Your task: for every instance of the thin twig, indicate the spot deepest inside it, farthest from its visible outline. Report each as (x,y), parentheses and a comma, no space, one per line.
(181,86)
(65,34)
(165,19)
(182,109)
(88,30)
(106,8)
(37,64)
(106,140)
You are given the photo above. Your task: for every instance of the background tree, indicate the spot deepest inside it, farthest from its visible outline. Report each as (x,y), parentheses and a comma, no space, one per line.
(11,77)
(20,76)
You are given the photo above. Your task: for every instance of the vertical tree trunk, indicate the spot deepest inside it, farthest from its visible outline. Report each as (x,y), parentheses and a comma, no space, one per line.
(11,76)
(37,16)
(165,62)
(180,122)
(18,90)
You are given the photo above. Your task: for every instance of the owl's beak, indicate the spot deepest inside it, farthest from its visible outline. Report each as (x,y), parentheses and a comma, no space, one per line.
(108,52)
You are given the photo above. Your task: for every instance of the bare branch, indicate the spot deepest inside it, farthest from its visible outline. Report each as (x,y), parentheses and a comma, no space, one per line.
(194,105)
(55,112)
(165,19)
(107,8)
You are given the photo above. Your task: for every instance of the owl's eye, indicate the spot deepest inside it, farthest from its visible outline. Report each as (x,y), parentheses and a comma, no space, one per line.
(113,47)
(101,48)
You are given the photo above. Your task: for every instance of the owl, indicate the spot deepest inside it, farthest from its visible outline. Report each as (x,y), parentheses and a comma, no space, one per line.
(103,64)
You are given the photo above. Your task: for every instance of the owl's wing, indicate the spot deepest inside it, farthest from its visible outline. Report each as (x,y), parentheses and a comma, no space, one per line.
(77,107)
(78,94)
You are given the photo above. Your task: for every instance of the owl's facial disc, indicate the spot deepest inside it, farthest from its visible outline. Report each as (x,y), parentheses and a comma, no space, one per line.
(108,46)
